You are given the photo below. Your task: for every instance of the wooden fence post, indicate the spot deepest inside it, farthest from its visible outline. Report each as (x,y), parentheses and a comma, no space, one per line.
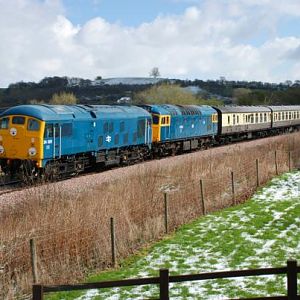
(257,173)
(292,279)
(33,261)
(164,284)
(113,241)
(37,292)
(166,212)
(202,197)
(232,188)
(276,166)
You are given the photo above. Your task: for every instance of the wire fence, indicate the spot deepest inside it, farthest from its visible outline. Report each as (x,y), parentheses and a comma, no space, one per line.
(57,255)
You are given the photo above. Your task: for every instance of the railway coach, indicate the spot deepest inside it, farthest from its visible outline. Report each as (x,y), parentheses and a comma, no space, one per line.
(285,117)
(236,122)
(56,139)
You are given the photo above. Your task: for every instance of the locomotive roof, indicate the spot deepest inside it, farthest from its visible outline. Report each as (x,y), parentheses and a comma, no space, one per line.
(66,112)
(242,109)
(173,110)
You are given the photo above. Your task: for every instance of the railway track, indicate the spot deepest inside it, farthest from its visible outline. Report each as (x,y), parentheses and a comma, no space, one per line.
(9,186)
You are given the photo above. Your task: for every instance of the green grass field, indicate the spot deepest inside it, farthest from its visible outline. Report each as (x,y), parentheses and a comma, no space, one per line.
(263,232)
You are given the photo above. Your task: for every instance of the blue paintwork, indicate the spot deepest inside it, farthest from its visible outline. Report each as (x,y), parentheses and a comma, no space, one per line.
(185,126)
(88,126)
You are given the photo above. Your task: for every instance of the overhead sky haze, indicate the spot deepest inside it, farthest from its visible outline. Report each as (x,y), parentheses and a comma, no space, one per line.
(239,39)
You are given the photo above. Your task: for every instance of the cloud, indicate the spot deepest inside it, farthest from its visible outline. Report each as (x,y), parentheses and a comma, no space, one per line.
(209,39)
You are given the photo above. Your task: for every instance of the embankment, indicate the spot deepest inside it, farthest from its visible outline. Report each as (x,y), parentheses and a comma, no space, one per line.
(70,221)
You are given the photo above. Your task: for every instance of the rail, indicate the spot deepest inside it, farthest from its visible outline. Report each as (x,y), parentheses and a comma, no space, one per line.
(290,270)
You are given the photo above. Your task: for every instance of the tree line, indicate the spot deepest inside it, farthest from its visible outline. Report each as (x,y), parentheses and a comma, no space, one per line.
(215,92)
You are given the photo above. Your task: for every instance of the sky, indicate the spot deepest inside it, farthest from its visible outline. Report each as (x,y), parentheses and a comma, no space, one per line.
(187,39)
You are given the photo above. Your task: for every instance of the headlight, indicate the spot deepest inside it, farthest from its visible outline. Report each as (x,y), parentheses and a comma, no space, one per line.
(32,151)
(13,131)
(1,149)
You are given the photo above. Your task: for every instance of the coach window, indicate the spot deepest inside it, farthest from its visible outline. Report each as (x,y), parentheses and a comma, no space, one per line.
(233,119)
(66,129)
(265,117)
(33,125)
(228,119)
(163,121)
(279,116)
(237,119)
(256,118)
(4,123)
(18,120)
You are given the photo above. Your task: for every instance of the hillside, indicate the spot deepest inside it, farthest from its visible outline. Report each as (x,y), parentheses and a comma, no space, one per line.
(108,91)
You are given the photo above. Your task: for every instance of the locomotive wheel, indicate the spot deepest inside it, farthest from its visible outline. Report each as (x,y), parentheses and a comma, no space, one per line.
(51,172)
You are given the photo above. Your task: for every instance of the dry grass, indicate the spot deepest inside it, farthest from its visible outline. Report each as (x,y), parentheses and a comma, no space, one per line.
(72,230)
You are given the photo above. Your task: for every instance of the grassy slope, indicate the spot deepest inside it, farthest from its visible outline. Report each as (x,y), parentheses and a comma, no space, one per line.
(260,233)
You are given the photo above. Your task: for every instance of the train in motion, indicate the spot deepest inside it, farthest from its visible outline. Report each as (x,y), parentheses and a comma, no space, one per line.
(54,141)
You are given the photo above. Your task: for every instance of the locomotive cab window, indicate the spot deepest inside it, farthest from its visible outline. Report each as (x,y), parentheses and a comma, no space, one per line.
(18,120)
(155,119)
(33,125)
(48,131)
(4,123)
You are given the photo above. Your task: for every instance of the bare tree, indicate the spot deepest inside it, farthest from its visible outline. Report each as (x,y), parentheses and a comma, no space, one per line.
(154,72)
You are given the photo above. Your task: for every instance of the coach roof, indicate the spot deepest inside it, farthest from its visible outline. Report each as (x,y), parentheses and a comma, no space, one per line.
(242,109)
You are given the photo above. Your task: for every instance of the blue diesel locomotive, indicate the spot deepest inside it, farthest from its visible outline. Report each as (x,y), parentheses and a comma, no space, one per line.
(57,140)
